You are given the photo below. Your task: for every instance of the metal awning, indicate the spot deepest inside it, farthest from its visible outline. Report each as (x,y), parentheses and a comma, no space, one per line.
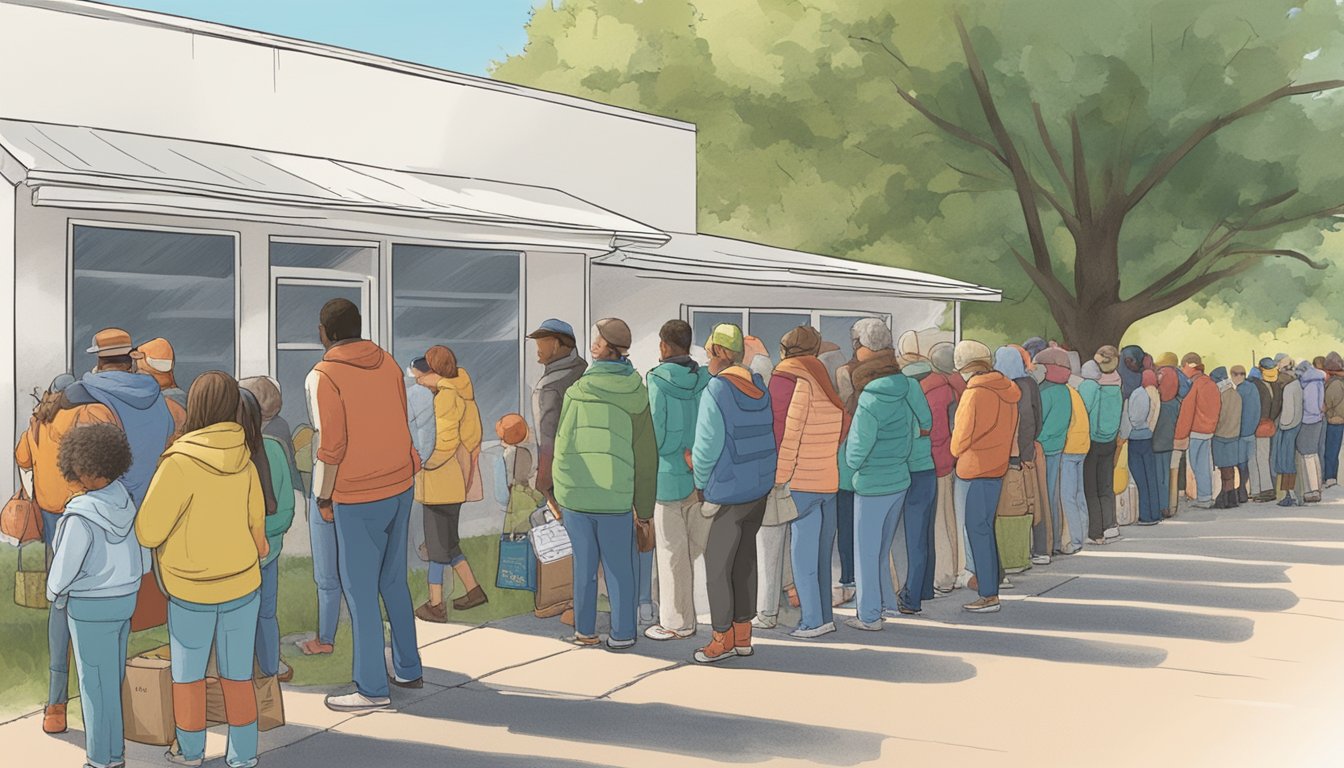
(710,259)
(89,167)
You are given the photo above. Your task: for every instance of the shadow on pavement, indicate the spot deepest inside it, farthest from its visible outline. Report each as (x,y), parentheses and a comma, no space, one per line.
(1176,594)
(920,634)
(1238,549)
(1121,620)
(340,749)
(1171,571)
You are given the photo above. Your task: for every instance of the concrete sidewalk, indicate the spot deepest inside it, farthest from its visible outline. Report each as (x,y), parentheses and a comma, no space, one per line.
(1210,640)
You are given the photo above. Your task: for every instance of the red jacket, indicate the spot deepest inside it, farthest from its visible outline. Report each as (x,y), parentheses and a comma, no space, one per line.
(1199,409)
(942,394)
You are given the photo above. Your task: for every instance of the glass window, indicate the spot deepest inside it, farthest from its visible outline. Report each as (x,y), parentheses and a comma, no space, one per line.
(704,320)
(177,285)
(353,258)
(770,328)
(837,329)
(468,301)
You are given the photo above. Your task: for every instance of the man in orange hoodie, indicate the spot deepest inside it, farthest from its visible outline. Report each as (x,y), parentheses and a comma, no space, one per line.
(1195,426)
(363,476)
(984,429)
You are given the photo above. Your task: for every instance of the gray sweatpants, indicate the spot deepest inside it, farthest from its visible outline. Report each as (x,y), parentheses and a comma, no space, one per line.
(730,563)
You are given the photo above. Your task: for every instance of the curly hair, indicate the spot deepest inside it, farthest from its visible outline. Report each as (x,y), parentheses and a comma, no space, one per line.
(97,450)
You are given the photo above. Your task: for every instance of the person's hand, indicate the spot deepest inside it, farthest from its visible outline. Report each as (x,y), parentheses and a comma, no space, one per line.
(554,507)
(643,525)
(1180,445)
(327,510)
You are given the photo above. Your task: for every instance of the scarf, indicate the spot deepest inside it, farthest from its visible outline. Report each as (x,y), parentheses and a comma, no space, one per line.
(880,365)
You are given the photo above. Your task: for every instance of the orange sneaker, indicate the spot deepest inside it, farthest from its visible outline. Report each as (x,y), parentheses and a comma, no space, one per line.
(719,648)
(53,719)
(742,638)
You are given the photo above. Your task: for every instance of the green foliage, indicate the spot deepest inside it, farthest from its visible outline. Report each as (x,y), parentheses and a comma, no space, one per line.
(805,141)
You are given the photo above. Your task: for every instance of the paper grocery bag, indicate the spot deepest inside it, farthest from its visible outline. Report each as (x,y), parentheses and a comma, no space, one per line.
(147,700)
(270,703)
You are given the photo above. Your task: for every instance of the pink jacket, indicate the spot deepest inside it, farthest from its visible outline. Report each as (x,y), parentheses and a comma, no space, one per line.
(942,395)
(813,427)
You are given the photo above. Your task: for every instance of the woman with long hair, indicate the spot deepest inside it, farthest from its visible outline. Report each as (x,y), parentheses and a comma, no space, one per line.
(204,517)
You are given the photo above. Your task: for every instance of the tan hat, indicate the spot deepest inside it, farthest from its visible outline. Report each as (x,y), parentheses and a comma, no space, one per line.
(111,342)
(267,392)
(615,332)
(1107,358)
(968,353)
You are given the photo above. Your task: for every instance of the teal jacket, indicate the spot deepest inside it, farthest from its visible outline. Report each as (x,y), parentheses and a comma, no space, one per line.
(882,436)
(277,525)
(1105,405)
(606,455)
(1056,413)
(674,402)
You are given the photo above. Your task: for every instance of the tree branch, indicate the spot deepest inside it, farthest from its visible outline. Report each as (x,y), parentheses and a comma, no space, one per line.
(1187,290)
(1053,290)
(1174,157)
(1052,150)
(884,47)
(1287,253)
(1081,185)
(948,126)
(1337,210)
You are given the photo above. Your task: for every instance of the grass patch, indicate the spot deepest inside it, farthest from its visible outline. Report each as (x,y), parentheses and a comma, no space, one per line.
(23,631)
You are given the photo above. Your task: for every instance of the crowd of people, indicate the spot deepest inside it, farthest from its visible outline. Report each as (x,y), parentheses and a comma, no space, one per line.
(160,501)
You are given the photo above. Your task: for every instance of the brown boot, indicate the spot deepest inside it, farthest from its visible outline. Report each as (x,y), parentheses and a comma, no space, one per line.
(470,600)
(719,648)
(567,618)
(53,719)
(742,638)
(435,614)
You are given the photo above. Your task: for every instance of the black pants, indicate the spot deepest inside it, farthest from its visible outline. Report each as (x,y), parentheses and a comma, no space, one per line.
(730,564)
(1099,487)
(441,540)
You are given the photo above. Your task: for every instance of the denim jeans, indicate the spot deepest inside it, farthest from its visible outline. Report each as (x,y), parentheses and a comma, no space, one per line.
(1039,545)
(231,628)
(608,539)
(844,535)
(645,564)
(1200,457)
(875,519)
(268,627)
(1073,497)
(920,507)
(1162,461)
(100,629)
(371,541)
(1143,468)
(322,539)
(1334,440)
(813,541)
(58,629)
(980,498)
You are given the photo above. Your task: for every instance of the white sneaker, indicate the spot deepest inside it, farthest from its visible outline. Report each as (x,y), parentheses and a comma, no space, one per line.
(1005,584)
(866,626)
(1331,483)
(963,579)
(809,634)
(763,621)
(1040,559)
(659,632)
(357,702)
(1112,533)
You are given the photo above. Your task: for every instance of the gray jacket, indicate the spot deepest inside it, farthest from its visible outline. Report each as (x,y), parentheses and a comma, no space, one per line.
(547,398)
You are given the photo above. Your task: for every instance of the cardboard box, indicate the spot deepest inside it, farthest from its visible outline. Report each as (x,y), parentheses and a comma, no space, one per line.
(270,703)
(147,700)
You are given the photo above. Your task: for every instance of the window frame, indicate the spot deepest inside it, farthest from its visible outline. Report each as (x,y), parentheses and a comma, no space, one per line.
(368,282)
(688,311)
(72,223)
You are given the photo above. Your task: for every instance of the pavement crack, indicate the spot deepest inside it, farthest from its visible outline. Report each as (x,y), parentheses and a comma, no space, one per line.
(642,677)
(1052,589)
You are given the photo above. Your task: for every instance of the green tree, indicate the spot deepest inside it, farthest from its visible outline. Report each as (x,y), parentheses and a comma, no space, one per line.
(1100,162)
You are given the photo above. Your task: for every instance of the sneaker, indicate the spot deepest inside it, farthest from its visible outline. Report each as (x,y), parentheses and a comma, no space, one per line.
(810,634)
(983,605)
(1288,501)
(647,615)
(314,647)
(940,592)
(842,595)
(1040,559)
(286,673)
(1005,584)
(866,626)
(355,702)
(620,645)
(476,597)
(742,638)
(1112,533)
(764,621)
(413,685)
(1203,504)
(53,719)
(1331,483)
(659,632)
(1311,498)
(1098,542)
(174,756)
(963,579)
(1070,549)
(583,641)
(435,614)
(1146,523)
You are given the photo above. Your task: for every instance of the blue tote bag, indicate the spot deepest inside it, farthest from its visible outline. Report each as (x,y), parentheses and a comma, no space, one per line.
(517,564)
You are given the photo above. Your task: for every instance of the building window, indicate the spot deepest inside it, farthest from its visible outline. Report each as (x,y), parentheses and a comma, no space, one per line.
(178,285)
(467,300)
(770,325)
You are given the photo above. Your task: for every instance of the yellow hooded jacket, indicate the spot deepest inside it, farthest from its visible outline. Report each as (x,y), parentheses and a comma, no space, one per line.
(205,517)
(457,443)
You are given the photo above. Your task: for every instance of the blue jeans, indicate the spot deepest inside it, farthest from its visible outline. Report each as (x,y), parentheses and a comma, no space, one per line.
(371,546)
(980,499)
(610,540)
(875,519)
(1163,462)
(232,629)
(100,629)
(58,630)
(844,527)
(1073,495)
(1200,458)
(268,627)
(813,539)
(322,539)
(1039,545)
(921,503)
(1143,468)
(645,562)
(1334,440)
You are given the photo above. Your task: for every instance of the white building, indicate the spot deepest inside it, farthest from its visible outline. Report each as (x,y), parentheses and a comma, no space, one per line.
(215,186)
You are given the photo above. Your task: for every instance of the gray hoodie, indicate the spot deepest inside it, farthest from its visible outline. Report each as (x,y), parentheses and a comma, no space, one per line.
(97,554)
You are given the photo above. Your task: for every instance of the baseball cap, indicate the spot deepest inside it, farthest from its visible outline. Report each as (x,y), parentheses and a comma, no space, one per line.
(615,331)
(111,342)
(156,354)
(552,327)
(726,335)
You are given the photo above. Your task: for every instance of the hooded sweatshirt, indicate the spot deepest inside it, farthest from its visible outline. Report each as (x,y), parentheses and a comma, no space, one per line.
(277,524)
(1313,392)
(941,396)
(139,406)
(1168,387)
(97,555)
(39,450)
(420,418)
(1334,398)
(883,434)
(606,455)
(675,388)
(1009,362)
(457,443)
(205,516)
(734,455)
(1250,407)
(1138,412)
(1199,410)
(921,453)
(813,429)
(1102,399)
(985,423)
(358,402)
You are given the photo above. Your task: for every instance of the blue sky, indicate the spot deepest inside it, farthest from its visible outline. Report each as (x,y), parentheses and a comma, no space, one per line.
(461,35)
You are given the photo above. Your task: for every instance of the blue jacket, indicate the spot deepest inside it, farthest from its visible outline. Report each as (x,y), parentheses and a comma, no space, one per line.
(1250,407)
(420,415)
(734,454)
(138,404)
(97,554)
(882,436)
(674,403)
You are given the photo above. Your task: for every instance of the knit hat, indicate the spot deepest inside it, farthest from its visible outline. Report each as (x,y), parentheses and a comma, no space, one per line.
(1034,345)
(943,357)
(1107,358)
(803,340)
(907,348)
(267,392)
(511,429)
(615,332)
(970,353)
(728,336)
(1166,359)
(1238,370)
(1052,356)
(1091,371)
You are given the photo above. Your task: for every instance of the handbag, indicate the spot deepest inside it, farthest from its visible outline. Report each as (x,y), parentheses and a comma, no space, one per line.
(779,506)
(30,586)
(517,564)
(151,602)
(21,520)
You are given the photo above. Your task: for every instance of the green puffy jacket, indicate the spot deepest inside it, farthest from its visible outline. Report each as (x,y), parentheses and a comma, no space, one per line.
(606,456)
(674,402)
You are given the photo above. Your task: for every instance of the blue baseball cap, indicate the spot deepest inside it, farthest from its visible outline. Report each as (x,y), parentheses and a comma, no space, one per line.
(553,327)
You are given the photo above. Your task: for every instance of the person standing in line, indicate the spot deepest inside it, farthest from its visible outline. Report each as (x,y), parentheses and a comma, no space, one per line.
(733,461)
(606,466)
(1226,438)
(156,359)
(1164,435)
(1250,422)
(1009,361)
(808,463)
(1100,391)
(38,458)
(204,515)
(1141,413)
(94,577)
(941,393)
(921,503)
(847,590)
(1056,414)
(441,486)
(1288,390)
(1072,489)
(1263,482)
(675,388)
(1195,426)
(984,430)
(1311,437)
(1334,417)
(364,477)
(557,350)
